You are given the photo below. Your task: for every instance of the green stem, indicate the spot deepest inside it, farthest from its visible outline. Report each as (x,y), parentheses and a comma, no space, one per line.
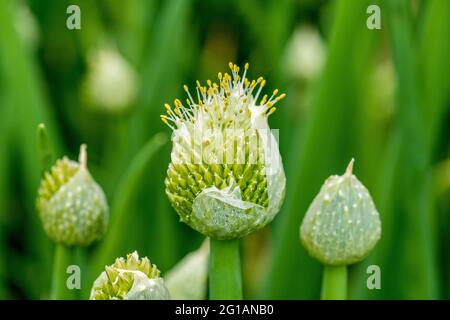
(334,285)
(44,148)
(225,270)
(63,258)
(81,258)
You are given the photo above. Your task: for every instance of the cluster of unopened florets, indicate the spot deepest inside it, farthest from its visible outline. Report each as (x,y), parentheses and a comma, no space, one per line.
(225,178)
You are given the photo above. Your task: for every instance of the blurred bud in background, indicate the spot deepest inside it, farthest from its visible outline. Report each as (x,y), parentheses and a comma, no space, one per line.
(27,26)
(110,84)
(304,54)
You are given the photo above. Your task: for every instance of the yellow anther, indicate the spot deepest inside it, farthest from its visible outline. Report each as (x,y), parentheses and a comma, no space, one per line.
(186,88)
(272,110)
(230,64)
(275,92)
(167,106)
(281,96)
(178,112)
(208,82)
(219,75)
(246,66)
(264,99)
(198,84)
(165,121)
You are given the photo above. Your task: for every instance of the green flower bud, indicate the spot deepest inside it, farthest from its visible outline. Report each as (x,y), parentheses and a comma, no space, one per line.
(342,225)
(72,206)
(130,279)
(226,178)
(187,279)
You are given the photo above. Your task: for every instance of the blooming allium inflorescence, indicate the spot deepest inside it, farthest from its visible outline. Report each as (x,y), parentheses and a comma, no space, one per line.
(226,177)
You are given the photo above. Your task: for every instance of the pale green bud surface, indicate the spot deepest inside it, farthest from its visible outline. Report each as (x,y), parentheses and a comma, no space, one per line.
(130,279)
(342,225)
(226,177)
(187,280)
(72,206)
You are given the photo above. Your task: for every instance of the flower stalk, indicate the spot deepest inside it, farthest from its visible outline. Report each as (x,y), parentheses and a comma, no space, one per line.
(334,285)
(225,270)
(63,257)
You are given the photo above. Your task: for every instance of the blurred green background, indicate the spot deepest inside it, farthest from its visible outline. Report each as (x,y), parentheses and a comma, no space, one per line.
(380,96)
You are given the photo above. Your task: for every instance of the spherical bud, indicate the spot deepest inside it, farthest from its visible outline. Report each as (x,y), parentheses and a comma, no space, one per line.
(342,225)
(226,177)
(130,279)
(72,206)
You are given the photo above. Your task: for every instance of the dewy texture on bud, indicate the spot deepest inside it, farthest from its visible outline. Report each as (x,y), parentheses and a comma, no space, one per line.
(342,225)
(226,178)
(130,279)
(72,206)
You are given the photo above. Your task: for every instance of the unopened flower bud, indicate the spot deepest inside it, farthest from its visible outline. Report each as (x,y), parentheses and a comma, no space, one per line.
(72,206)
(130,279)
(342,225)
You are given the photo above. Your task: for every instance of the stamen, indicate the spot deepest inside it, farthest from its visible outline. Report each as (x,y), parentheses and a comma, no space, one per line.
(223,104)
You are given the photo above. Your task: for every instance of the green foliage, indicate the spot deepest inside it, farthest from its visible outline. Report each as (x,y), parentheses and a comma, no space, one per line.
(380,96)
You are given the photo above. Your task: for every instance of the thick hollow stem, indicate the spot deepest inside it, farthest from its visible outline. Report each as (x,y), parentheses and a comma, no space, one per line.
(63,258)
(225,270)
(334,285)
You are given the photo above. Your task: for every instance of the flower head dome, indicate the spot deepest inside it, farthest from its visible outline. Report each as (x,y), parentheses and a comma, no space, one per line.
(130,279)
(226,178)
